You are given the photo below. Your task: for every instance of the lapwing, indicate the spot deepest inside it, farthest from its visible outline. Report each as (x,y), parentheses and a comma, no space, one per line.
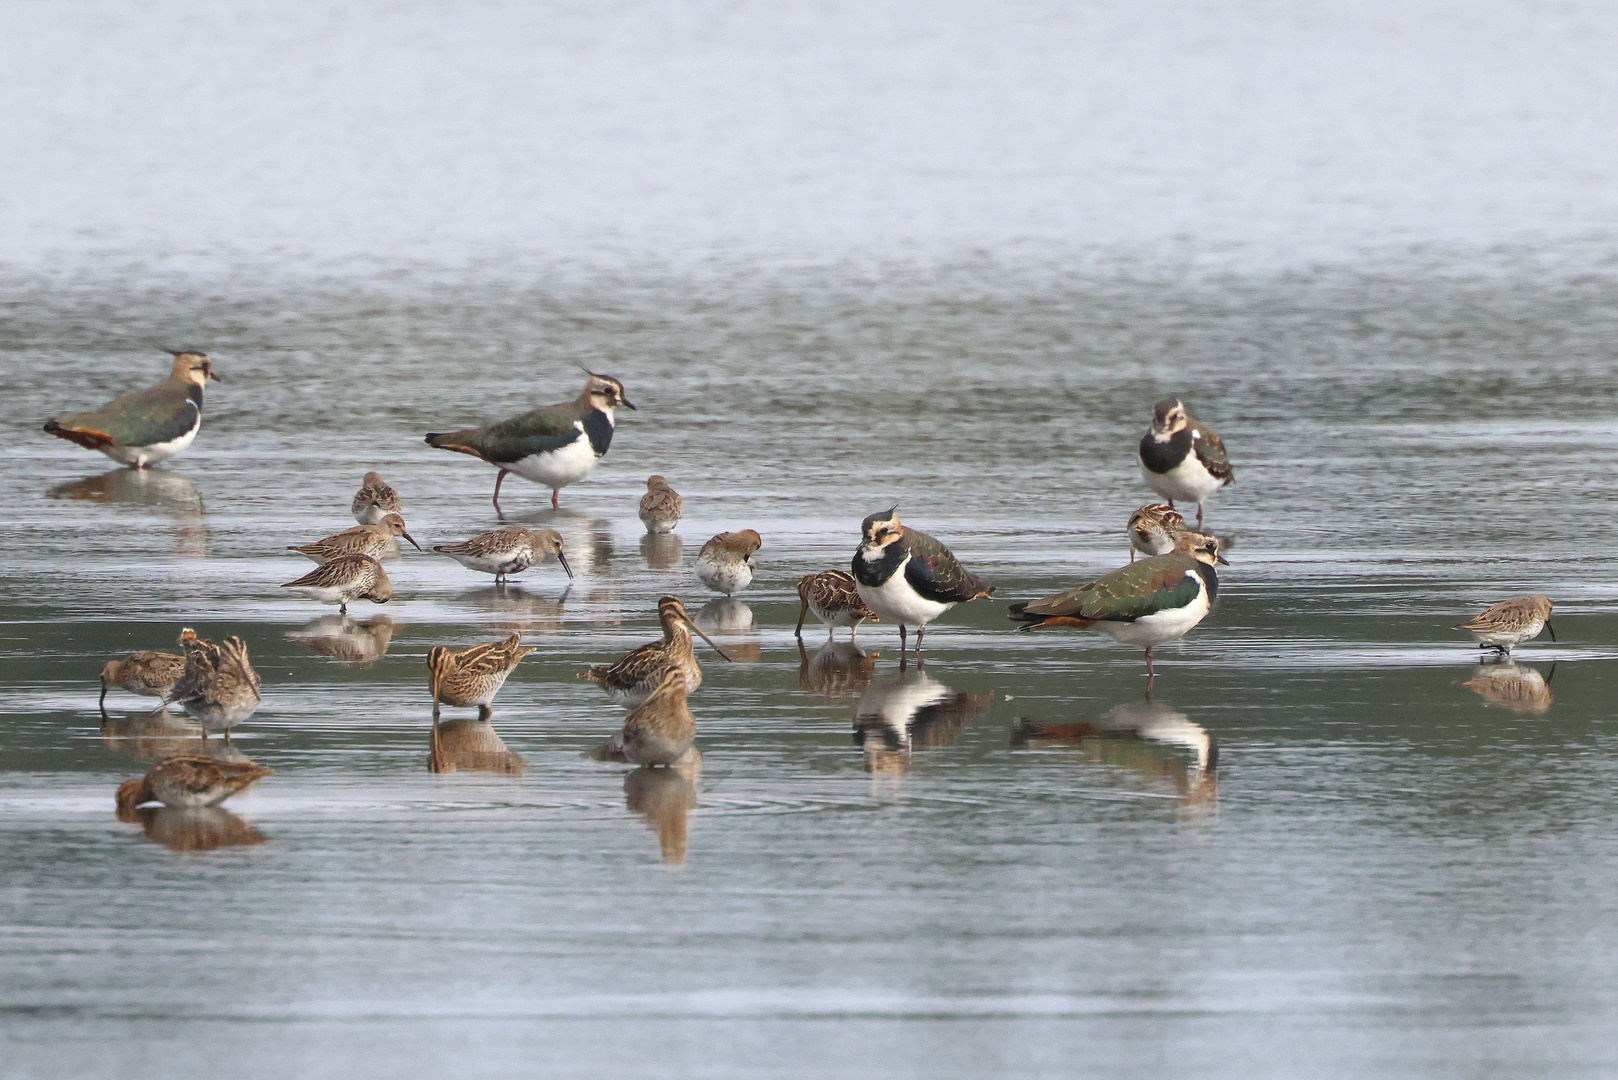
(1511,622)
(375,540)
(148,426)
(1183,459)
(556,445)
(1152,529)
(833,596)
(725,563)
(1146,603)
(219,688)
(472,676)
(660,506)
(374,501)
(632,679)
(188,781)
(909,578)
(507,551)
(146,673)
(344,580)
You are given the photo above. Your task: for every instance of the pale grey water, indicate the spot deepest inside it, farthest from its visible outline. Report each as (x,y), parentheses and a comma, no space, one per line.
(1387,873)
(939,255)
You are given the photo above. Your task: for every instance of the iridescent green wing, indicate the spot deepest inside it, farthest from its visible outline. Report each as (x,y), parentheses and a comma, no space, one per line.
(1128,593)
(158,415)
(1210,450)
(934,572)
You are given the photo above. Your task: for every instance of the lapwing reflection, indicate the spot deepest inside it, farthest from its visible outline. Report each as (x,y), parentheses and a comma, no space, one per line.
(1148,738)
(910,711)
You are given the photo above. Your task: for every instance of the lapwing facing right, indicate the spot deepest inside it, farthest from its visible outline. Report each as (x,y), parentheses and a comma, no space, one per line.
(1511,622)
(1146,603)
(909,578)
(148,426)
(1182,459)
(556,445)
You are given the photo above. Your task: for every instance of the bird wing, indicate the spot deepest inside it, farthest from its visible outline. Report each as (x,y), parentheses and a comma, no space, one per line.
(485,544)
(934,572)
(328,575)
(1128,593)
(535,432)
(1210,450)
(156,415)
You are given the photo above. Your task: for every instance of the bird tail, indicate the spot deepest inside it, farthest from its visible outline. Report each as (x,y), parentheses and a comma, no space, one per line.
(451,440)
(88,438)
(1035,621)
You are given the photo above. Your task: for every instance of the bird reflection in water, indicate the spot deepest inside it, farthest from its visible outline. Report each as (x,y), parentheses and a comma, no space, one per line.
(159,735)
(910,711)
(196,828)
(470,746)
(157,490)
(662,551)
(517,610)
(1512,685)
(1149,738)
(353,644)
(837,669)
(665,797)
(728,616)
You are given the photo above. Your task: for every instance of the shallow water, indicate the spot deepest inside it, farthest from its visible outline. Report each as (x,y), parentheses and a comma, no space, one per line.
(1331,841)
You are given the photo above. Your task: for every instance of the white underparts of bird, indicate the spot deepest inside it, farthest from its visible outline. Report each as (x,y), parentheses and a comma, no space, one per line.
(507,551)
(725,563)
(909,578)
(148,426)
(1182,459)
(556,445)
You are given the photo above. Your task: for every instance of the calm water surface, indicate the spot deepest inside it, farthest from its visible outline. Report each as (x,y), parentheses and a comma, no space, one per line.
(1331,846)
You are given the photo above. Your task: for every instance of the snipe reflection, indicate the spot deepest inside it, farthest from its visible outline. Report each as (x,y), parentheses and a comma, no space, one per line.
(1512,685)
(353,644)
(160,734)
(665,799)
(837,669)
(157,490)
(198,828)
(908,711)
(470,746)
(1148,737)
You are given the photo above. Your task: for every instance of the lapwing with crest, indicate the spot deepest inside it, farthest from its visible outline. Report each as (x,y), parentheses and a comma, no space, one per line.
(556,445)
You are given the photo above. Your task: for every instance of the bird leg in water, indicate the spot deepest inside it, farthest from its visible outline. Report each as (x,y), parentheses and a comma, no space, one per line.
(555,505)
(498,480)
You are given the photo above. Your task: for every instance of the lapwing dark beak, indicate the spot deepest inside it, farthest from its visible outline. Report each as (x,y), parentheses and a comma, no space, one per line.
(561,558)
(706,638)
(214,377)
(1222,561)
(626,404)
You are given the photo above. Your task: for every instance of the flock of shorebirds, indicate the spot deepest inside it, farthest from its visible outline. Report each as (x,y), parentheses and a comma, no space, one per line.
(897,574)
